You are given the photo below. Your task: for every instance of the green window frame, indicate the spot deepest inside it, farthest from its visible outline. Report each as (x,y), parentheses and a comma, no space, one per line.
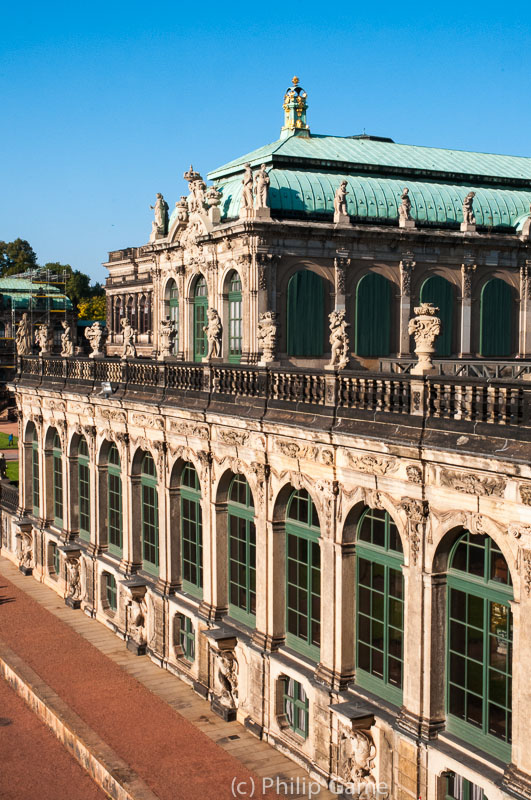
(200,319)
(191,531)
(496,319)
(479,645)
(373,316)
(56,560)
(303,575)
(111,593)
(296,707)
(149,514)
(241,551)
(440,292)
(174,314)
(83,487)
(459,788)
(305,314)
(57,470)
(35,474)
(114,502)
(235,318)
(187,638)
(379,606)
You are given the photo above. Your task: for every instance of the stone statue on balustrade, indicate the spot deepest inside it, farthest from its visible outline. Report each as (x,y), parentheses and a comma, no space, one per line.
(167,335)
(339,342)
(469,218)
(96,335)
(182,210)
(44,339)
(161,216)
(213,201)
(404,211)
(267,335)
(424,327)
(247,201)
(261,193)
(213,332)
(67,340)
(23,336)
(197,186)
(128,343)
(525,234)
(341,216)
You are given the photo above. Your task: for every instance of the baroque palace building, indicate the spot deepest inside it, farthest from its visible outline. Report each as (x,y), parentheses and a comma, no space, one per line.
(253,486)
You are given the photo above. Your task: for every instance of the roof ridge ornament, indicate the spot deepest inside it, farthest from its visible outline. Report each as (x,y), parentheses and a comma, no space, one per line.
(295,106)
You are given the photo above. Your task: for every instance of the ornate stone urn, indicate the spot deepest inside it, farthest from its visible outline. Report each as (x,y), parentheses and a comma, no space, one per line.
(425,327)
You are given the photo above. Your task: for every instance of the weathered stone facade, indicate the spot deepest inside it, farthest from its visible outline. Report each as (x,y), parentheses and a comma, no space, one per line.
(437,455)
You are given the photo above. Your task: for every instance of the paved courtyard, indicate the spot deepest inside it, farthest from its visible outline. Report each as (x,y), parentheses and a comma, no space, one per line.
(155,723)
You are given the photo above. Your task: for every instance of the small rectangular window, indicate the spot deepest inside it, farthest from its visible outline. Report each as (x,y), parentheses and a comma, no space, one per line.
(296,707)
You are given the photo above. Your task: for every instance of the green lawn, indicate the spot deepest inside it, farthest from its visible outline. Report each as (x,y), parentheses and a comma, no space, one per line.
(12,470)
(3,442)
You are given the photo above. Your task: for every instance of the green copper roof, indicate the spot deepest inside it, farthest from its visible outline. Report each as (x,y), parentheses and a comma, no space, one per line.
(377,199)
(305,173)
(333,151)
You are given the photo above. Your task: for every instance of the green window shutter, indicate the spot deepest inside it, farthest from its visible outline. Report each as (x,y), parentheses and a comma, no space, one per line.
(440,293)
(495,330)
(305,323)
(373,316)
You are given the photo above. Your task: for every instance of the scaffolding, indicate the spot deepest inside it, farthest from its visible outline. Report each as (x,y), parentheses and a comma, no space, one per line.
(44,307)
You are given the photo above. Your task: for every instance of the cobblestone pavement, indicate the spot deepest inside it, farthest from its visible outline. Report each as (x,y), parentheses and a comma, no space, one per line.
(33,764)
(155,722)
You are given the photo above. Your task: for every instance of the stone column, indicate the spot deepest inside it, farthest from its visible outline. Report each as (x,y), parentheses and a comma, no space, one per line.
(263,578)
(518,773)
(415,624)
(336,666)
(164,584)
(467,271)
(132,546)
(433,711)
(341,263)
(524,338)
(407,265)
(100,531)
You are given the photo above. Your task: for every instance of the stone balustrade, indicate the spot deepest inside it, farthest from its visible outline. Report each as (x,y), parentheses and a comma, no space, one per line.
(491,401)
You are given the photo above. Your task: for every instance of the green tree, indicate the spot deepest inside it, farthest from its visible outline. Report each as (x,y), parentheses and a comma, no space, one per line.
(93,308)
(17,256)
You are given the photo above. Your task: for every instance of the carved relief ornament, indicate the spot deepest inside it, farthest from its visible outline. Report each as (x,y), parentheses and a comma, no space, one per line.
(148,421)
(526,571)
(232,437)
(189,428)
(467,272)
(372,464)
(468,483)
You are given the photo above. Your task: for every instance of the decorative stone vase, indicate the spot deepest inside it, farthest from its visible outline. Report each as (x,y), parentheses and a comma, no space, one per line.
(425,327)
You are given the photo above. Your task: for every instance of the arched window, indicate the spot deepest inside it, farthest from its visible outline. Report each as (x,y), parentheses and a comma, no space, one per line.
(242,551)
(479,644)
(57,469)
(191,531)
(142,308)
(440,293)
(235,318)
(83,483)
(114,501)
(303,575)
(172,310)
(149,514)
(35,473)
(305,317)
(379,605)
(200,319)
(117,315)
(373,316)
(495,322)
(131,316)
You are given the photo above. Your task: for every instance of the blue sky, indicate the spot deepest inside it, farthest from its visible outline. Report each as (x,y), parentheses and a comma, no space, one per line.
(105,104)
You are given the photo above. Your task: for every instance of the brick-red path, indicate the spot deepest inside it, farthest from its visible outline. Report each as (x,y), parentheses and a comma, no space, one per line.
(34,765)
(175,759)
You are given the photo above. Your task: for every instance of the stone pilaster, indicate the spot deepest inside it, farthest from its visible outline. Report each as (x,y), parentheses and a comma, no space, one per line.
(467,272)
(407,265)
